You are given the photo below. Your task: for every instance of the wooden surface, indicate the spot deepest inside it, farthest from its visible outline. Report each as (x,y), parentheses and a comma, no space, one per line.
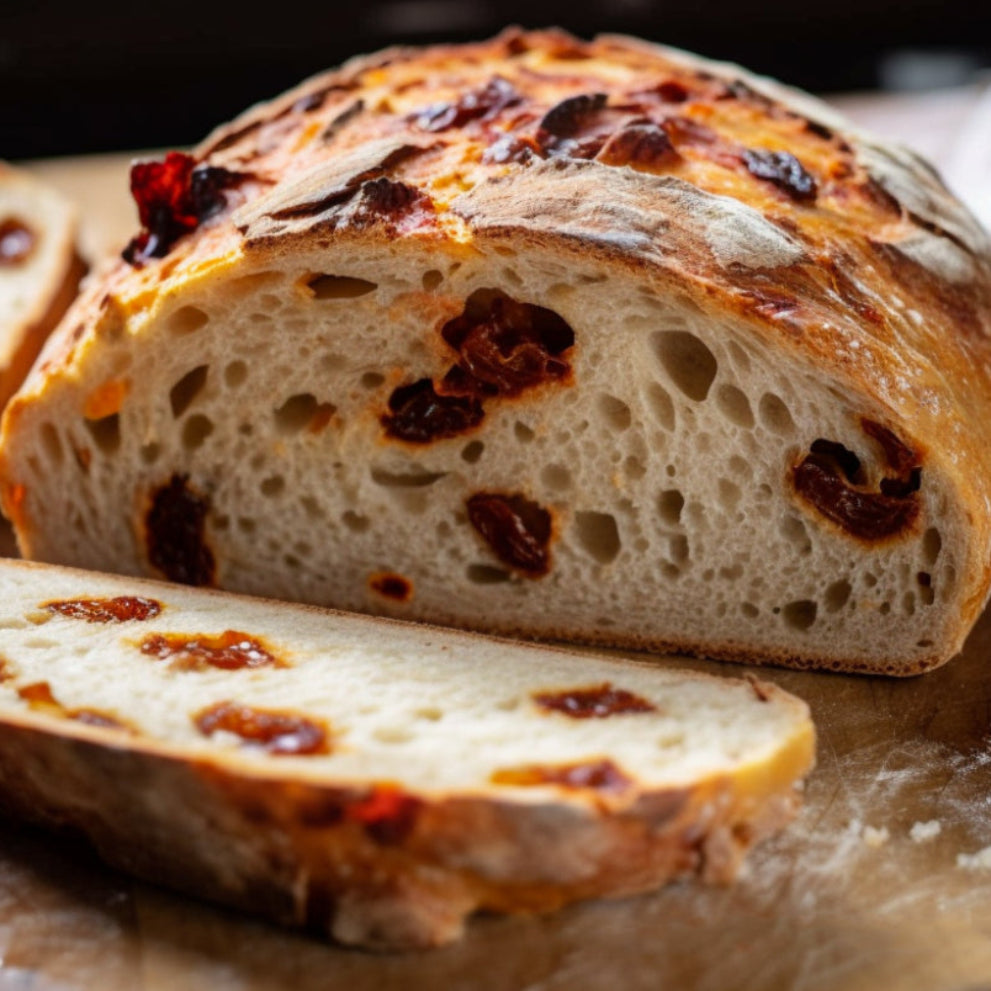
(845,900)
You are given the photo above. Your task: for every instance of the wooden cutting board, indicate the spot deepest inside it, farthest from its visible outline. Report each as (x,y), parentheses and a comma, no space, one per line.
(880,884)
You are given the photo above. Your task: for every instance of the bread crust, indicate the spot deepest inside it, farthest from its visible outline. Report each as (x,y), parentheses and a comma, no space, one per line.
(881,281)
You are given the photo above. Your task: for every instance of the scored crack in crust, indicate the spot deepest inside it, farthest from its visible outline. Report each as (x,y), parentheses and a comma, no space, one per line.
(497,308)
(371,780)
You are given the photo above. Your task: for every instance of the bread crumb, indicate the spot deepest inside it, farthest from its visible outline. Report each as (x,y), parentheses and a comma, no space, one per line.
(975,861)
(923,832)
(875,837)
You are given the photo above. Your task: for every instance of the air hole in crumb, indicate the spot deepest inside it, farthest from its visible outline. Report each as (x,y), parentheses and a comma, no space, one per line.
(837,595)
(235,374)
(774,414)
(598,535)
(750,610)
(246,525)
(728,493)
(927,594)
(186,320)
(523,433)
(195,431)
(311,507)
(634,467)
(430,713)
(392,734)
(793,530)
(105,432)
(660,402)
(690,365)
(272,485)
(472,451)
(670,504)
(150,453)
(932,544)
(885,608)
(870,580)
(372,380)
(800,615)
(432,279)
(302,411)
(735,406)
(338,286)
(406,480)
(908,603)
(556,477)
(740,466)
(678,548)
(485,574)
(924,643)
(182,394)
(615,412)
(355,522)
(51,442)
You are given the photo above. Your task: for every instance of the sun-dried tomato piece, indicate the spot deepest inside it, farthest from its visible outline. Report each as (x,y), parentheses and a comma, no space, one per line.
(567,118)
(228,651)
(506,346)
(599,775)
(784,170)
(387,814)
(392,586)
(175,525)
(389,200)
(594,702)
(280,733)
(17,241)
(480,104)
(519,148)
(419,415)
(122,609)
(830,479)
(639,144)
(174,196)
(517,529)
(41,698)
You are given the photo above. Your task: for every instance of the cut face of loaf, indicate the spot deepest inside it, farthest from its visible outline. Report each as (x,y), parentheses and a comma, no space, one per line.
(39,270)
(375,780)
(542,368)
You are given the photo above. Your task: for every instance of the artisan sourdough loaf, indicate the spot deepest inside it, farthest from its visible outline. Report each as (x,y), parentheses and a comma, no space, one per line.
(376,780)
(39,270)
(596,341)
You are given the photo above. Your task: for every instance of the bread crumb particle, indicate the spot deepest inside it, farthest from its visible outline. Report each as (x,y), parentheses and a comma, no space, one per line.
(975,861)
(923,832)
(875,837)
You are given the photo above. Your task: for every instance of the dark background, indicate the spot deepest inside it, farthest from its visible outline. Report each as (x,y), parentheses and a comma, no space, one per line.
(111,76)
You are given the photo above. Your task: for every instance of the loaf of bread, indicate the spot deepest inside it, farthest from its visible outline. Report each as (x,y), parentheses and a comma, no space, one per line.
(39,270)
(377,781)
(596,341)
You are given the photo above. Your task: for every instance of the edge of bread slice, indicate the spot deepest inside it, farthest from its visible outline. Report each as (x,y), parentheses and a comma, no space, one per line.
(375,780)
(40,270)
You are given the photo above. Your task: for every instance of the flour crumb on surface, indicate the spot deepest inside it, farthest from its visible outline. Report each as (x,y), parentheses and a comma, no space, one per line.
(876,837)
(923,832)
(975,861)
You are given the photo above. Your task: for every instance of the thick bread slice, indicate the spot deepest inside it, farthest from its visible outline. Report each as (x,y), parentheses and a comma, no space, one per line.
(40,270)
(373,779)
(594,341)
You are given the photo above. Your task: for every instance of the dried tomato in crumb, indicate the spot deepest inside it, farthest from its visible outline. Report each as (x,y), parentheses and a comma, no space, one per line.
(517,529)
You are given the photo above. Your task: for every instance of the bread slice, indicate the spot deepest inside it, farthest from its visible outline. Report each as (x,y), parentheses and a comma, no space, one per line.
(40,270)
(376,780)
(594,341)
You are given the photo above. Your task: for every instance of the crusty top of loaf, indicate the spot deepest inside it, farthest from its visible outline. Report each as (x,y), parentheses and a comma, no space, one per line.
(723,187)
